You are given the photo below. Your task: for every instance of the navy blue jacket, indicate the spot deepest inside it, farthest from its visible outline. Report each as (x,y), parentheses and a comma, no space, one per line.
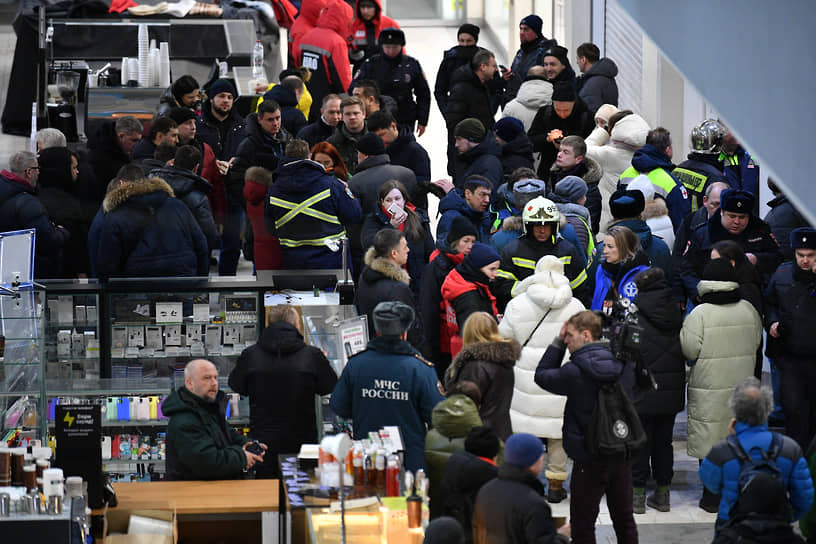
(420,249)
(291,117)
(405,151)
(144,149)
(744,175)
(517,153)
(105,157)
(192,189)
(454,204)
(257,149)
(207,130)
(402,79)
(529,54)
(315,132)
(648,158)
(94,237)
(782,219)
(720,469)
(20,209)
(148,233)
(303,237)
(482,160)
(389,383)
(597,86)
(592,363)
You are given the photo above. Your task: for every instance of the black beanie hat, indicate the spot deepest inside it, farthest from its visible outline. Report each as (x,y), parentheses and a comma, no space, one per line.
(482,442)
(563,92)
(534,22)
(370,144)
(468,28)
(444,530)
(460,226)
(624,204)
(181,115)
(719,270)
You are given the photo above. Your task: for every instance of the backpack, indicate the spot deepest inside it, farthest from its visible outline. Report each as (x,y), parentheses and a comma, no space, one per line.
(615,428)
(750,467)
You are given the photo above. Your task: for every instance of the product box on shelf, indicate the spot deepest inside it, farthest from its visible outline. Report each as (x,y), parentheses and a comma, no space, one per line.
(123,526)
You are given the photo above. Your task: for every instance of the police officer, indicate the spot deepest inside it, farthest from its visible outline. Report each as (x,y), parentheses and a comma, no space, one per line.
(540,236)
(389,383)
(733,221)
(703,166)
(400,77)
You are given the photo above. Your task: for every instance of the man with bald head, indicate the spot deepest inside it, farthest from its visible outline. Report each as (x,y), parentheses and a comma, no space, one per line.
(200,443)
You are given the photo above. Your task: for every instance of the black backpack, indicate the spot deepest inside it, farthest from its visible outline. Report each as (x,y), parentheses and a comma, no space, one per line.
(615,428)
(750,467)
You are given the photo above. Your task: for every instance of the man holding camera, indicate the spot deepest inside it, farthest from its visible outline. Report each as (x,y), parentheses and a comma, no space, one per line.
(200,443)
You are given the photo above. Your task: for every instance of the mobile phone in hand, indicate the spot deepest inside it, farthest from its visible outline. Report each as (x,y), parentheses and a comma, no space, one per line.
(255,447)
(394,209)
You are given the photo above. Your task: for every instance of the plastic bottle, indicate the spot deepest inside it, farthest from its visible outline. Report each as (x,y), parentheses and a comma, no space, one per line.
(392,477)
(379,466)
(258,61)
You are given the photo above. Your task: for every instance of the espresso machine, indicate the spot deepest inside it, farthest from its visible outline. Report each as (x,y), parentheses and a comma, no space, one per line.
(68,98)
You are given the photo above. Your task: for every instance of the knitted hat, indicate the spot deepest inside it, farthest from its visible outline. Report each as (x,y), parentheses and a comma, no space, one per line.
(482,442)
(371,144)
(719,270)
(222,86)
(736,201)
(534,22)
(558,52)
(470,129)
(482,255)
(392,36)
(527,189)
(507,128)
(571,188)
(392,318)
(606,111)
(460,226)
(624,204)
(181,115)
(522,450)
(563,92)
(801,238)
(643,184)
(444,530)
(468,28)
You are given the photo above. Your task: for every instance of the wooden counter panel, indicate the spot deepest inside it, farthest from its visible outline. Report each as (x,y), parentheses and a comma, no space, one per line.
(200,497)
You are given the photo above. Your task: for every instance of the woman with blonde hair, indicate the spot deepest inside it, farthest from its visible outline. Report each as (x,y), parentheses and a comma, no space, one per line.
(614,274)
(487,359)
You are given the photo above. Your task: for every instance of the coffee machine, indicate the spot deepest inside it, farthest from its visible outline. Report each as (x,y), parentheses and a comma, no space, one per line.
(68,98)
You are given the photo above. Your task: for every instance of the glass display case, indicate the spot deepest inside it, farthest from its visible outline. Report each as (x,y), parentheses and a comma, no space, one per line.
(22,389)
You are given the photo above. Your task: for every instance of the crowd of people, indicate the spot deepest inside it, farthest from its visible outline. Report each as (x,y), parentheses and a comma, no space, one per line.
(564,204)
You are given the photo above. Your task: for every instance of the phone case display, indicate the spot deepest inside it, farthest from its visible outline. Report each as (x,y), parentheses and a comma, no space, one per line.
(152,333)
(22,389)
(72,339)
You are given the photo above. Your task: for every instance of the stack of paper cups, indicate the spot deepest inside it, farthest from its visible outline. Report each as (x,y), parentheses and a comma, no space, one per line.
(154,67)
(133,69)
(164,64)
(144,57)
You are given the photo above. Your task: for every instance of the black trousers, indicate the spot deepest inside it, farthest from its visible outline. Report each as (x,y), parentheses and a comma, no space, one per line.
(658,451)
(798,392)
(589,484)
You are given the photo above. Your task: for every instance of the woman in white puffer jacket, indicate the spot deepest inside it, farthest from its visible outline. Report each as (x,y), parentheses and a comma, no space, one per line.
(613,152)
(541,304)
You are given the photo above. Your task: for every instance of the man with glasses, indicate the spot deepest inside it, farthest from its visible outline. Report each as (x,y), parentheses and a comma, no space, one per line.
(21,209)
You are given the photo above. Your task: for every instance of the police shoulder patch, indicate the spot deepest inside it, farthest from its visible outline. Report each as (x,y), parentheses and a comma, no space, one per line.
(423,360)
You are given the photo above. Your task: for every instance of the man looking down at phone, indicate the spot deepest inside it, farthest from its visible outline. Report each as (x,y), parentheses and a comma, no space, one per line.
(200,443)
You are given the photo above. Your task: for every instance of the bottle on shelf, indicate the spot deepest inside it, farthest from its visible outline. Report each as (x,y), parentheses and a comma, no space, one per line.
(258,61)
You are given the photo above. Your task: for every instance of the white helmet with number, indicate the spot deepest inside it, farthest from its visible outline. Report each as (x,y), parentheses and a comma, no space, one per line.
(540,211)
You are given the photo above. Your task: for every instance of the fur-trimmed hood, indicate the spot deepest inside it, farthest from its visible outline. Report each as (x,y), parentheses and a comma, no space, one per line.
(129,190)
(705,287)
(501,353)
(386,267)
(655,208)
(594,172)
(546,288)
(259,174)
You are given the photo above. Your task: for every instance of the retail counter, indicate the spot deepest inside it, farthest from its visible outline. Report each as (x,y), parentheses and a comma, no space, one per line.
(219,511)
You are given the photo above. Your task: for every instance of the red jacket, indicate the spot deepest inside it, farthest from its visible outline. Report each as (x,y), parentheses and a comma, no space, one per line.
(304,22)
(463,297)
(209,171)
(267,248)
(325,52)
(357,28)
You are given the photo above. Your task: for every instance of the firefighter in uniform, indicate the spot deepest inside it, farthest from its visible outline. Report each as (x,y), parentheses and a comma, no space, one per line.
(703,166)
(540,236)
(307,209)
(389,383)
(401,77)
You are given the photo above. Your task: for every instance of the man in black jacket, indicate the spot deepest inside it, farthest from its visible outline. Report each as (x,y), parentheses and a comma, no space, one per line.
(110,149)
(513,508)
(322,129)
(470,97)
(162,131)
(591,361)
(467,36)
(403,150)
(281,375)
(21,209)
(531,53)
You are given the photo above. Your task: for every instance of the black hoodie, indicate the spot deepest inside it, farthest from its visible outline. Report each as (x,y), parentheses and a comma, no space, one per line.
(281,375)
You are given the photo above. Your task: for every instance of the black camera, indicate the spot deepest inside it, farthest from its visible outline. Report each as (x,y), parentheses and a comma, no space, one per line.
(623,330)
